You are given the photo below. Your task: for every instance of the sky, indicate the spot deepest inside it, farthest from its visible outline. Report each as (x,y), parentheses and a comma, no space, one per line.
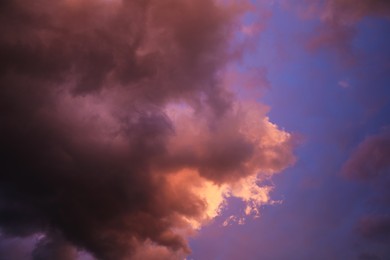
(183,129)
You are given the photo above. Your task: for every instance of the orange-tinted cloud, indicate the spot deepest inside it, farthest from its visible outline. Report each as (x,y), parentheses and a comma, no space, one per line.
(118,135)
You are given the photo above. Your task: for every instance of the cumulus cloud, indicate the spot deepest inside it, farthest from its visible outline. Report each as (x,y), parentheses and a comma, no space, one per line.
(117,135)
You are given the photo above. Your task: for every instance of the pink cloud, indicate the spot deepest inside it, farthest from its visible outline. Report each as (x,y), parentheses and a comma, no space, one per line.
(370,159)
(338,19)
(119,135)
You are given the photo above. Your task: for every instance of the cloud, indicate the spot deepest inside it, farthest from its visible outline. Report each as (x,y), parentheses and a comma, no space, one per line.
(369,165)
(338,20)
(117,135)
(54,248)
(376,227)
(347,11)
(14,248)
(339,11)
(370,159)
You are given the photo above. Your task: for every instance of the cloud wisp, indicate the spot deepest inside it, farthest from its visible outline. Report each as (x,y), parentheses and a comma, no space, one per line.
(337,22)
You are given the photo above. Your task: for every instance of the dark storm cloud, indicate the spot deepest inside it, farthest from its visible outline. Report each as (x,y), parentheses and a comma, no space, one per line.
(84,130)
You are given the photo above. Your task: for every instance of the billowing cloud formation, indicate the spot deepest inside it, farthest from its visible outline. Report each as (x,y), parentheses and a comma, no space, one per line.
(116,135)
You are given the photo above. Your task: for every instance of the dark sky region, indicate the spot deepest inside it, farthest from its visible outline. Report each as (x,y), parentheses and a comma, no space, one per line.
(195,129)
